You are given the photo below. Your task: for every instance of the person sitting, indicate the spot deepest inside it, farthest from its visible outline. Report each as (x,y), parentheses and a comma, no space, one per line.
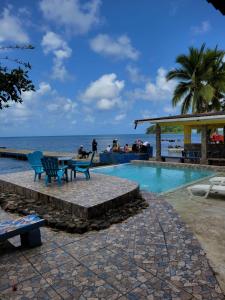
(126,148)
(114,143)
(134,147)
(116,147)
(144,147)
(108,148)
(82,153)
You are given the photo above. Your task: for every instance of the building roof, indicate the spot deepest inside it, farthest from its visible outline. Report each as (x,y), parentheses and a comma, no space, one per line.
(187,119)
(218,4)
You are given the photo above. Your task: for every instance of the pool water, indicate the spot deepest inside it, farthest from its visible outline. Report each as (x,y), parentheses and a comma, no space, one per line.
(155,179)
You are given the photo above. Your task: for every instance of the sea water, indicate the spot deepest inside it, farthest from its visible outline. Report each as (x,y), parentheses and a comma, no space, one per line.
(72,143)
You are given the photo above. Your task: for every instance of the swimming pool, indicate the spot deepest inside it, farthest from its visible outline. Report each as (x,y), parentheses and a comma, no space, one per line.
(156,178)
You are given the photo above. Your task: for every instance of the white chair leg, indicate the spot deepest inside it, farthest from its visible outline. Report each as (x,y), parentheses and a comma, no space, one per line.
(207,193)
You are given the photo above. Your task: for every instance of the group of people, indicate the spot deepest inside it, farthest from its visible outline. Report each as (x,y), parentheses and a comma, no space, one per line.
(116,147)
(140,146)
(137,146)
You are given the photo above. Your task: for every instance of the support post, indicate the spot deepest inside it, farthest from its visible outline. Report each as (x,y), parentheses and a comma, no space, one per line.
(223,141)
(204,145)
(187,135)
(158,142)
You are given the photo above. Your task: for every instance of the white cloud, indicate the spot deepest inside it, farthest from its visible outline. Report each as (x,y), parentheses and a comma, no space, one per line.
(20,112)
(160,90)
(75,15)
(11,28)
(107,104)
(105,91)
(45,101)
(44,88)
(53,43)
(119,48)
(135,74)
(204,27)
(62,105)
(120,117)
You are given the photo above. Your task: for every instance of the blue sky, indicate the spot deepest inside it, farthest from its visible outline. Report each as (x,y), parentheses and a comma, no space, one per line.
(98,65)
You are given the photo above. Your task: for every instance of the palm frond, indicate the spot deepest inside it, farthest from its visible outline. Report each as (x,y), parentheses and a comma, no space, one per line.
(186,105)
(177,74)
(180,92)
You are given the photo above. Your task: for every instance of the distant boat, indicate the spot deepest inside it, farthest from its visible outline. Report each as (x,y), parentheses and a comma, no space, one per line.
(175,150)
(174,146)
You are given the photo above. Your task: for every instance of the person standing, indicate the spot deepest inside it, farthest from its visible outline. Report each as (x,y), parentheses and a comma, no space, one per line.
(94,146)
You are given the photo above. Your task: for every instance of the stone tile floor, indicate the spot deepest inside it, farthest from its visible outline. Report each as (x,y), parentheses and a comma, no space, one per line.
(152,255)
(206,219)
(78,193)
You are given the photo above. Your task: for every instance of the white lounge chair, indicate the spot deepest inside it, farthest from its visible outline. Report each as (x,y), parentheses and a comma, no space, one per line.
(217,180)
(206,189)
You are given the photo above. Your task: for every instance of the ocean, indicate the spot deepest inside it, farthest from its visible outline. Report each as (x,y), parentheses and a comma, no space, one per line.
(73,142)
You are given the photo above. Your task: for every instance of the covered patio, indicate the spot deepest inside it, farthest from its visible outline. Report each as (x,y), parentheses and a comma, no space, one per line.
(208,151)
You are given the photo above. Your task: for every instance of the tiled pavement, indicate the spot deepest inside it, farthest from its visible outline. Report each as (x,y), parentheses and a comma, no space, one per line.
(150,256)
(84,200)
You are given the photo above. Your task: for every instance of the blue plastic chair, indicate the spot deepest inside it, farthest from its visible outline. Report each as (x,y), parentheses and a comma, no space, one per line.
(34,159)
(52,169)
(81,167)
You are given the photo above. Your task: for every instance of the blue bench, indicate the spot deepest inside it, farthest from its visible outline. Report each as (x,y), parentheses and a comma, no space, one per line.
(28,228)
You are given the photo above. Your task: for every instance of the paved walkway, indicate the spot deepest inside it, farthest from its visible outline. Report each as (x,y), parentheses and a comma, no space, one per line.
(150,256)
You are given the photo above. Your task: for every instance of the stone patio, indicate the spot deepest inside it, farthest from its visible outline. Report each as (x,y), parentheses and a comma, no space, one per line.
(206,218)
(86,199)
(152,255)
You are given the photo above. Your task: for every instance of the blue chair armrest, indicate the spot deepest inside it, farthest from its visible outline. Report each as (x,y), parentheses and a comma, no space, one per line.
(63,167)
(36,166)
(78,169)
(83,163)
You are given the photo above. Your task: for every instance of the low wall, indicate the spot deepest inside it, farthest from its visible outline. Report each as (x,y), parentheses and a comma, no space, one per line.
(121,157)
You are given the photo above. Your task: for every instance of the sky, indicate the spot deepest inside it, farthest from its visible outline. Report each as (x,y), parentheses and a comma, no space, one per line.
(100,64)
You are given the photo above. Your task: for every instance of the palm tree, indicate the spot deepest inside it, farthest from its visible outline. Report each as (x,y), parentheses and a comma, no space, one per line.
(201,80)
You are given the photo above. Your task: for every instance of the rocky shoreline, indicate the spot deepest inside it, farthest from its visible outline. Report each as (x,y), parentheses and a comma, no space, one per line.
(64,220)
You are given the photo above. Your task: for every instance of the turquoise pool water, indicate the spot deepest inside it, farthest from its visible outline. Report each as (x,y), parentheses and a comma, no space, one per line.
(155,179)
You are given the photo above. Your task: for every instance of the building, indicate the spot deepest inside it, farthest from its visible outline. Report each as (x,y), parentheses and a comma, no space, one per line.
(209,151)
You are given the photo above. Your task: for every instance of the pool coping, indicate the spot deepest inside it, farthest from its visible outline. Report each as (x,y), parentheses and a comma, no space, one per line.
(179,165)
(186,185)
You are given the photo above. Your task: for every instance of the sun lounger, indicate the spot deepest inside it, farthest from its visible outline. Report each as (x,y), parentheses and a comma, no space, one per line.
(205,189)
(27,228)
(217,180)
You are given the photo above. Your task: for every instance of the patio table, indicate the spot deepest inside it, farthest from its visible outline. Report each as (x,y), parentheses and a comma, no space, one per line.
(63,160)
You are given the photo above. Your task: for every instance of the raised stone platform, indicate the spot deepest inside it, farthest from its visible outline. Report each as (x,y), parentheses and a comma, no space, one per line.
(86,199)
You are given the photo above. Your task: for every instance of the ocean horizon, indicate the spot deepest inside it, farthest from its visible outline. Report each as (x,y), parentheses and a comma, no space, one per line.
(71,143)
